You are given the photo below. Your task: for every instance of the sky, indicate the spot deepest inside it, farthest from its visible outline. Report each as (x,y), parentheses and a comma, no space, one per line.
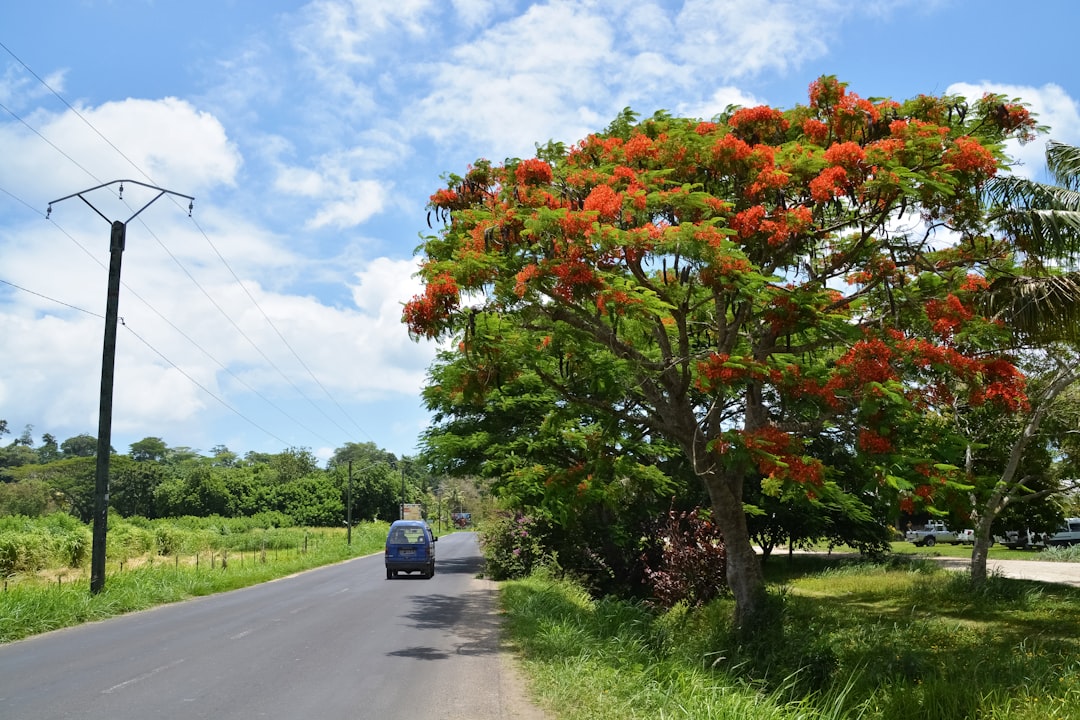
(311,135)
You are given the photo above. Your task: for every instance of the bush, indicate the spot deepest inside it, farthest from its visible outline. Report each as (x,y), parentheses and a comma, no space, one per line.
(687,562)
(511,546)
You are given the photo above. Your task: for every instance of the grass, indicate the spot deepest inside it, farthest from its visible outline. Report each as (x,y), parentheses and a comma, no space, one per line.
(847,640)
(36,606)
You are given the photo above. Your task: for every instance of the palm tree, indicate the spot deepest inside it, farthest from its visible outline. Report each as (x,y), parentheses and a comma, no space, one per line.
(1044,222)
(1042,303)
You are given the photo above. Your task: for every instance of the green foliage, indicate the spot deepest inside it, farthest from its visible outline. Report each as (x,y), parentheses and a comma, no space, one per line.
(32,544)
(30,497)
(83,445)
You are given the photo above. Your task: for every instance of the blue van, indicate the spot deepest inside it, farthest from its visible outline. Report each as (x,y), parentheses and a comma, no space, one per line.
(410,545)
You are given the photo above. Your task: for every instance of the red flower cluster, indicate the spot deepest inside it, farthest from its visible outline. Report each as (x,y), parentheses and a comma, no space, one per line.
(619,300)
(725,271)
(423,313)
(574,275)
(729,151)
(605,201)
(968,155)
(832,181)
(639,147)
(758,123)
(974,283)
(522,278)
(815,130)
(775,454)
(947,316)
(848,155)
(788,225)
(867,361)
(869,441)
(826,92)
(748,222)
(718,371)
(444,198)
(533,171)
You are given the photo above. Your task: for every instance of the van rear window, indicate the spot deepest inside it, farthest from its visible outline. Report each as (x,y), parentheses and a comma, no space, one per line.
(407,536)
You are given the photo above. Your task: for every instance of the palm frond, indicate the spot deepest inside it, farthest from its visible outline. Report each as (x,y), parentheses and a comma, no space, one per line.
(1045,307)
(1043,219)
(1063,162)
(1021,193)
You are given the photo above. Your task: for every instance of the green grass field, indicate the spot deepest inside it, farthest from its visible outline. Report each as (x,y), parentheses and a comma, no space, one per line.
(900,640)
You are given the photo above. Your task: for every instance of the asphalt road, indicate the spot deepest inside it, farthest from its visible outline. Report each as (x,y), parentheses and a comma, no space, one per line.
(337,642)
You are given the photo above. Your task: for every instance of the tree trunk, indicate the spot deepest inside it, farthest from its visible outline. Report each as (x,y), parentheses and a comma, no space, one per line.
(744,576)
(981,549)
(1007,486)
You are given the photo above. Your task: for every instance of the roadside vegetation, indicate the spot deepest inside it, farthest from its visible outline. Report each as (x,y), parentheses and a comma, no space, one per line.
(46,577)
(844,640)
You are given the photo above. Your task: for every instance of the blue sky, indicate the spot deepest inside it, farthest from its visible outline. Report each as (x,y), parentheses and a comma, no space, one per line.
(311,135)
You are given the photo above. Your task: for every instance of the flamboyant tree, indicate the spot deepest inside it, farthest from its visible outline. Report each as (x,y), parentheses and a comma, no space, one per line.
(740,285)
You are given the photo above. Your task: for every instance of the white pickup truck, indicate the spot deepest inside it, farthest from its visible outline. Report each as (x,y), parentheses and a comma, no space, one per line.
(1068,534)
(935,532)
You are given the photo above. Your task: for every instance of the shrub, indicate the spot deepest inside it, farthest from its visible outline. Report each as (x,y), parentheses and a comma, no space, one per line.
(687,562)
(511,546)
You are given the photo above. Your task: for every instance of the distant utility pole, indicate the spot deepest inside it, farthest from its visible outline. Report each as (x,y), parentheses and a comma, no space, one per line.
(348,509)
(117,239)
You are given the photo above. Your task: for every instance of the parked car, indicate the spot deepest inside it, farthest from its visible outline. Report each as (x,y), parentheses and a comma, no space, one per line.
(410,547)
(934,532)
(1067,534)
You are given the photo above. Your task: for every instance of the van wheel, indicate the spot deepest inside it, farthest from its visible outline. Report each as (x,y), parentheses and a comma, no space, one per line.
(390,574)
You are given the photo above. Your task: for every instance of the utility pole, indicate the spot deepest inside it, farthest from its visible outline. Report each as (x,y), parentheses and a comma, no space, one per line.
(117,240)
(348,509)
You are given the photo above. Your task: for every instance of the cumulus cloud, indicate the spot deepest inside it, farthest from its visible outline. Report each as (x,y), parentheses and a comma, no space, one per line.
(166,142)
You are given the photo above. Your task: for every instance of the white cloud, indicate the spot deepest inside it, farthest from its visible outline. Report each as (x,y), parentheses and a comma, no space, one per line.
(170,141)
(519,82)
(718,102)
(474,12)
(740,39)
(344,202)
(356,202)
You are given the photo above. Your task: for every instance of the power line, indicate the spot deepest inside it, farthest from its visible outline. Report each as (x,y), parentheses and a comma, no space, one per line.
(276,330)
(279,334)
(150,306)
(50,143)
(51,299)
(74,110)
(195,382)
(156,352)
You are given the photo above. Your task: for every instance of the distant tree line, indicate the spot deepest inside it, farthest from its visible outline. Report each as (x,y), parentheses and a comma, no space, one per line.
(154,480)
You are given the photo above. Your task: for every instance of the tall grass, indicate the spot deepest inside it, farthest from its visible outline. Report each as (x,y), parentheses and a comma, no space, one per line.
(28,607)
(844,642)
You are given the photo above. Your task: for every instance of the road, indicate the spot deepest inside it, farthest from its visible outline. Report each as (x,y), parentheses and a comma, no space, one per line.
(337,642)
(1065,573)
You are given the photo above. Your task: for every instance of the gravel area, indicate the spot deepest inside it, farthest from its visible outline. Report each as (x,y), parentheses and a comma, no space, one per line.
(1064,573)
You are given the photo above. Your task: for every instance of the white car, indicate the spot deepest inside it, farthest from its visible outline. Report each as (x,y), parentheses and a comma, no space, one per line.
(1068,534)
